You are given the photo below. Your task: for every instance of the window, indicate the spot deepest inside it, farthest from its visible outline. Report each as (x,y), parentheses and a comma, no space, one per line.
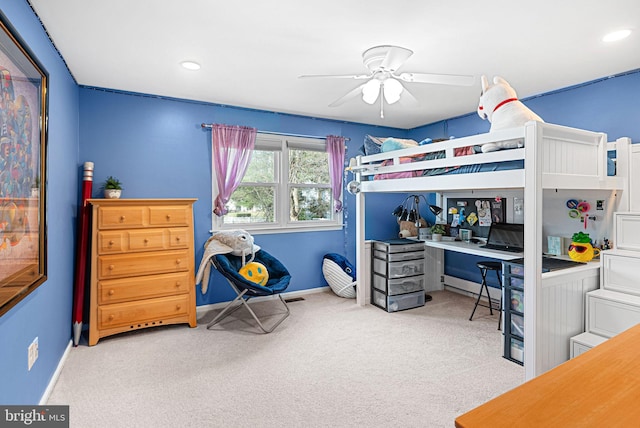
(287,186)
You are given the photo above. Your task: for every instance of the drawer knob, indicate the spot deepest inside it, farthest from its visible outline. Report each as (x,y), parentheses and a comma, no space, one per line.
(111,267)
(168,217)
(111,243)
(122,218)
(111,317)
(178,307)
(178,261)
(146,241)
(178,284)
(111,292)
(178,238)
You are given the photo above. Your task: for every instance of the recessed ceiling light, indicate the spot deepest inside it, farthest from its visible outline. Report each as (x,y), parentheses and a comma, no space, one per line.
(190,65)
(616,35)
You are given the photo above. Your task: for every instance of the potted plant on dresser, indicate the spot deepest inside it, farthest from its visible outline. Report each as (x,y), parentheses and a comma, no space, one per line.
(112,188)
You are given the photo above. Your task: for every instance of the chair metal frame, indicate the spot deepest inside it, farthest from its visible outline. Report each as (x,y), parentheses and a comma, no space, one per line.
(483,286)
(243,298)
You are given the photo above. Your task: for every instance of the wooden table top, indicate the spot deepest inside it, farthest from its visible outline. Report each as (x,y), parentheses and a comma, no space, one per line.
(596,389)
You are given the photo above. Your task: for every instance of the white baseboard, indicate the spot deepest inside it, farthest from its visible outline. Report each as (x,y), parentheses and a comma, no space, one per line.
(202,310)
(56,375)
(469,288)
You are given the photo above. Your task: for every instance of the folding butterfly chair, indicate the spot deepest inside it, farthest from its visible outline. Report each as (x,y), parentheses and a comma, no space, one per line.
(279,278)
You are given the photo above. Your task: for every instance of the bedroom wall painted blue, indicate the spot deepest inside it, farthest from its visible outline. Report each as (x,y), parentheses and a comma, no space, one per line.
(158,149)
(152,135)
(606,105)
(45,313)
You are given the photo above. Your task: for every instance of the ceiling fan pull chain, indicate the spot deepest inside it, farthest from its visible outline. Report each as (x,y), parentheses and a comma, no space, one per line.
(381,102)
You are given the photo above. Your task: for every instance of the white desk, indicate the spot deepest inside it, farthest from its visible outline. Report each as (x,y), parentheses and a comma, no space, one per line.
(475,249)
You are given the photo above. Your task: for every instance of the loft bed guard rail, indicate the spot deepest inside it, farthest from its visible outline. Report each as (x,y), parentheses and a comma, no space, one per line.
(570,158)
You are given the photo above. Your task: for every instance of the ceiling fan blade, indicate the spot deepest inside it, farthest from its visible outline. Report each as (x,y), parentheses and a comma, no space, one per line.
(439,79)
(337,76)
(396,56)
(407,98)
(348,96)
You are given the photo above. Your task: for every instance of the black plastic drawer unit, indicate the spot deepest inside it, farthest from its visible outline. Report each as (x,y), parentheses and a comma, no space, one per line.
(398,268)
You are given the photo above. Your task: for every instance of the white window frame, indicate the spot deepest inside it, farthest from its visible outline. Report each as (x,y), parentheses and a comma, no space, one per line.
(280,145)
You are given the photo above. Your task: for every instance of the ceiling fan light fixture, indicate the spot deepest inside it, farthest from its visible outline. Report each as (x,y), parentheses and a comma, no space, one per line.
(190,65)
(370,91)
(392,90)
(616,35)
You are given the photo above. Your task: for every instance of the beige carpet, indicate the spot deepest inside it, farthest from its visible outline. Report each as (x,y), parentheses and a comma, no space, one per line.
(330,364)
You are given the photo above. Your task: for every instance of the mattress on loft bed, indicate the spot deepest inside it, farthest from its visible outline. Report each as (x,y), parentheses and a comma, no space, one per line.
(373,145)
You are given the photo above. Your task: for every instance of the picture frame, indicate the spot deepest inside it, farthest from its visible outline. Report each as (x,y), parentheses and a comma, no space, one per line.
(23,155)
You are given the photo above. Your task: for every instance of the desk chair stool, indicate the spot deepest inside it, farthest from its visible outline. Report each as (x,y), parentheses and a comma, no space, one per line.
(484,267)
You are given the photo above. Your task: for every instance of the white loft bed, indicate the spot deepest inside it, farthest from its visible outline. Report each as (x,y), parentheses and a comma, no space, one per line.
(555,157)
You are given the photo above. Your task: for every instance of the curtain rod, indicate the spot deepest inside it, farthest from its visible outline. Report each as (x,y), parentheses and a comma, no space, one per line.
(209,126)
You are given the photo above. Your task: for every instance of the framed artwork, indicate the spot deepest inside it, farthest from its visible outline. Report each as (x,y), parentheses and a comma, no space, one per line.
(23,142)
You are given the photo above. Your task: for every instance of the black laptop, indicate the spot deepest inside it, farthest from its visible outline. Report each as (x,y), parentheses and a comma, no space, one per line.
(505,237)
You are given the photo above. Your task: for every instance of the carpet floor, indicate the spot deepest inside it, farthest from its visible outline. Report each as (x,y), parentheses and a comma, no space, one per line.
(330,364)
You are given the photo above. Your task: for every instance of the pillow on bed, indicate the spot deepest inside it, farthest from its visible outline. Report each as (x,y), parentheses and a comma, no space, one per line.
(391,144)
(371,145)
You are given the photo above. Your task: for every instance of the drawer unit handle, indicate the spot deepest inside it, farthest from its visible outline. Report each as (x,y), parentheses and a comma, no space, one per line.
(178,284)
(111,267)
(168,217)
(146,241)
(111,317)
(111,292)
(178,307)
(177,238)
(111,243)
(122,218)
(178,261)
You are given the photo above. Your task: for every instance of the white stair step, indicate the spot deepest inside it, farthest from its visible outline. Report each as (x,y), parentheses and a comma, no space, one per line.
(583,342)
(610,312)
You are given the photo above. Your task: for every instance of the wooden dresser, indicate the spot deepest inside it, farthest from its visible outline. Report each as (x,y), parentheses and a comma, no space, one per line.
(142,265)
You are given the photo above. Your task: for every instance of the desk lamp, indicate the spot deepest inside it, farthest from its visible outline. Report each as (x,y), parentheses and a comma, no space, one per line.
(413,215)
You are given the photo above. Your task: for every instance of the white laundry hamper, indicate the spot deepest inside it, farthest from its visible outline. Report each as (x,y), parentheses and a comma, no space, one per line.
(340,275)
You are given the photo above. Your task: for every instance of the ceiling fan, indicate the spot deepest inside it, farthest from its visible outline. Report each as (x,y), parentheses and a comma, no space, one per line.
(384,81)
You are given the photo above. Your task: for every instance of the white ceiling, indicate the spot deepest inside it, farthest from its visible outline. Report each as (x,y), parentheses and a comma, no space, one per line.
(252,52)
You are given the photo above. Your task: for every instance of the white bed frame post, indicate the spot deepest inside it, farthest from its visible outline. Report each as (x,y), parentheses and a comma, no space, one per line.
(623,172)
(361,253)
(533,201)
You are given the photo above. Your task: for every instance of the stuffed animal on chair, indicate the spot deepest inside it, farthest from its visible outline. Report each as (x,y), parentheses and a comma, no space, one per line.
(500,105)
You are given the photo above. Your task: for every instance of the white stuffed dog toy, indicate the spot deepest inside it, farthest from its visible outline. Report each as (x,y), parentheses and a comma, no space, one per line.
(500,105)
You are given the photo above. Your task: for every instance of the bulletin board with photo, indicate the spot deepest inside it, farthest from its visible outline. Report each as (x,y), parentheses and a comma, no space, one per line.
(475,214)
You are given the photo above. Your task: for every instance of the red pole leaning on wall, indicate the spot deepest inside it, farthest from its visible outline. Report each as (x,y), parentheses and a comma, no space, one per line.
(81,252)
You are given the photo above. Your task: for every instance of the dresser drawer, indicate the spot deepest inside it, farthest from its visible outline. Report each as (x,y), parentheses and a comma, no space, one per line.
(398,246)
(114,241)
(398,269)
(118,241)
(398,303)
(122,290)
(178,237)
(122,314)
(176,215)
(392,287)
(398,257)
(137,264)
(147,239)
(121,217)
